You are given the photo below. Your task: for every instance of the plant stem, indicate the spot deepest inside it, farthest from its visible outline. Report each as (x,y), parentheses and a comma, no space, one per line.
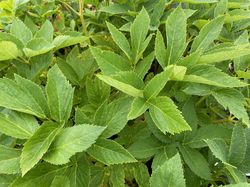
(81,7)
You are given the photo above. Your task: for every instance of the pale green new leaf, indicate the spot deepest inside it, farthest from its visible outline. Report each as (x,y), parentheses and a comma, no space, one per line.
(208,34)
(138,32)
(166,116)
(21,31)
(220,8)
(8,50)
(37,46)
(169,174)
(238,146)
(46,31)
(214,77)
(9,160)
(37,146)
(196,162)
(110,63)
(157,83)
(120,39)
(60,95)
(110,152)
(62,41)
(70,141)
(219,149)
(18,125)
(19,97)
(160,50)
(138,107)
(176,35)
(234,100)
(126,88)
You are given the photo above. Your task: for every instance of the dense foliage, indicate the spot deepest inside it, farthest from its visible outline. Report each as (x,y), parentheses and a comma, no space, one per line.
(124,93)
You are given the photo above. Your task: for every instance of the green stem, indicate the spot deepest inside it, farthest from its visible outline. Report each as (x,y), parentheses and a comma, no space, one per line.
(81,7)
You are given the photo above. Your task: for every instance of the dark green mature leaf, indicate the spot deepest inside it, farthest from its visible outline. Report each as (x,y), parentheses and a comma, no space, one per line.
(70,141)
(109,152)
(60,95)
(9,160)
(138,32)
(166,116)
(176,35)
(18,125)
(238,146)
(169,174)
(110,63)
(233,100)
(208,34)
(8,50)
(37,146)
(196,162)
(60,180)
(117,176)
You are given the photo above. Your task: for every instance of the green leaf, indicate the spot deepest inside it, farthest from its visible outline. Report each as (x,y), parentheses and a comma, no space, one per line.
(37,46)
(60,95)
(124,87)
(208,34)
(109,152)
(225,53)
(145,148)
(219,149)
(169,174)
(60,180)
(21,31)
(138,107)
(196,162)
(37,146)
(233,100)
(62,41)
(157,83)
(9,160)
(144,65)
(20,97)
(220,8)
(242,184)
(70,141)
(160,50)
(138,32)
(18,125)
(166,116)
(46,31)
(120,39)
(238,146)
(117,176)
(113,116)
(140,173)
(7,180)
(176,35)
(156,15)
(8,50)
(214,77)
(109,62)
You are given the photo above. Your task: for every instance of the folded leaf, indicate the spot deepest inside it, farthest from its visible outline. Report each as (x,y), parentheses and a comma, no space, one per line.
(46,31)
(110,152)
(169,174)
(60,95)
(70,141)
(238,146)
(37,146)
(233,100)
(208,34)
(176,35)
(18,125)
(166,116)
(9,160)
(110,63)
